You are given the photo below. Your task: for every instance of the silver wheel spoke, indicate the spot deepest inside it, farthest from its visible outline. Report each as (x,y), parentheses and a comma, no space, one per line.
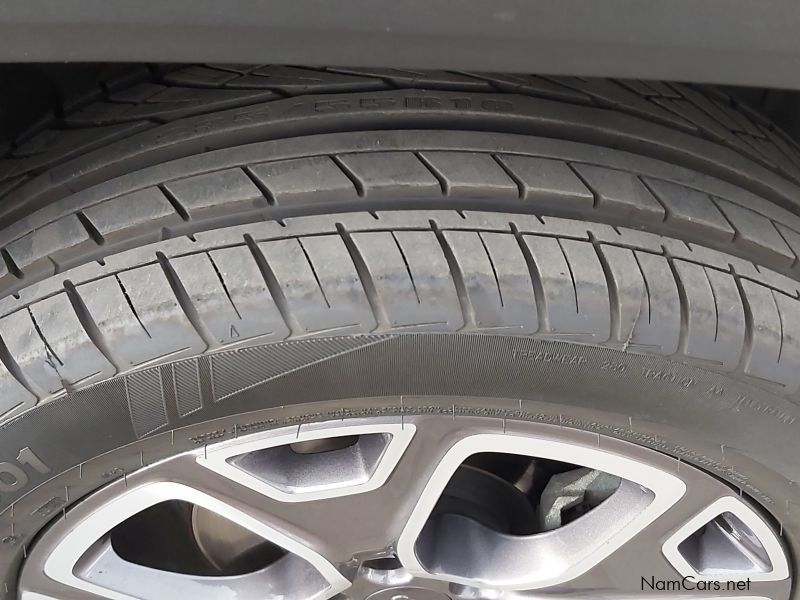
(453,547)
(339,527)
(640,566)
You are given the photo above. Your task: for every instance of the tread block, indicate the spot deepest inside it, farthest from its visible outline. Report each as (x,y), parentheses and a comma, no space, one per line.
(176,103)
(715,328)
(537,86)
(297,80)
(304,180)
(320,283)
(497,280)
(775,347)
(224,190)
(659,324)
(546,181)
(758,232)
(98,114)
(691,209)
(791,237)
(620,193)
(53,352)
(46,149)
(471,174)
(391,174)
(699,119)
(228,292)
(139,307)
(440,80)
(137,93)
(412,280)
(198,75)
(610,93)
(574,290)
(650,89)
(784,144)
(144,207)
(14,397)
(648,310)
(48,241)
(773,154)
(34,358)
(79,360)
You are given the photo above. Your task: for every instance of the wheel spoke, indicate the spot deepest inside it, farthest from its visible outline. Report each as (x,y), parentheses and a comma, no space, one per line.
(339,527)
(640,566)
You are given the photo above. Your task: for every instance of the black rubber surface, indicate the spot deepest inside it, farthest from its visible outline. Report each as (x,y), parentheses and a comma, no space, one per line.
(668,290)
(540,235)
(143,115)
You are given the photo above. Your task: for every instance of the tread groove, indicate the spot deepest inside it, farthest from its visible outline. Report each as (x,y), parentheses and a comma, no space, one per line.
(736,233)
(130,305)
(571,276)
(716,305)
(224,285)
(536,278)
(788,245)
(747,345)
(511,175)
(780,323)
(89,326)
(347,172)
(684,302)
(646,285)
(13,367)
(50,352)
(93,232)
(269,197)
(438,175)
(464,302)
(667,210)
(582,179)
(613,290)
(185,301)
(314,272)
(407,266)
(494,269)
(273,286)
(365,277)
(11,265)
(176,204)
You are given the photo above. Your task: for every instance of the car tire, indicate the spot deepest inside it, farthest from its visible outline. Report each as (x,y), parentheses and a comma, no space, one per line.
(237,250)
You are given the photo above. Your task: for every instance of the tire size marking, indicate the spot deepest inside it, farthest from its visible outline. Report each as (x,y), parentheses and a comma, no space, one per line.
(12,474)
(613,366)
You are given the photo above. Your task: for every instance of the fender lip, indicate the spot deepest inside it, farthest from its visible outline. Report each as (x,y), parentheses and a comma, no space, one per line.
(716,41)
